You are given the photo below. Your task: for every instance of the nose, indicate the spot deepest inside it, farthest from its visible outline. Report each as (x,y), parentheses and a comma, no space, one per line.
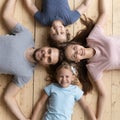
(63,78)
(46,55)
(58,30)
(76,53)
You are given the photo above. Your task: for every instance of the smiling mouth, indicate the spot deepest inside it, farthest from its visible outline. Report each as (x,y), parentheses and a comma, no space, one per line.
(40,55)
(82,52)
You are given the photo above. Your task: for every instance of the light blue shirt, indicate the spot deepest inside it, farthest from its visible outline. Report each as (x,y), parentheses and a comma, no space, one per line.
(61,101)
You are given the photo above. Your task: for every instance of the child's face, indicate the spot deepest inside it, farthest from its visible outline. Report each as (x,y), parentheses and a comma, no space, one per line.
(64,77)
(58,32)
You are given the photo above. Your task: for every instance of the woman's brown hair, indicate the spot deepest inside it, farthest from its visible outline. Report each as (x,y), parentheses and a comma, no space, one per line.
(80,38)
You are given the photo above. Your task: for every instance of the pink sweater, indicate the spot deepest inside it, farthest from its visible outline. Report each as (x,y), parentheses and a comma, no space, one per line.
(107,56)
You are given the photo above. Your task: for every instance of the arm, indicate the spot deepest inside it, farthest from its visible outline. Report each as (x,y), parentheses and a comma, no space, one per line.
(83,7)
(31,7)
(10,100)
(102,13)
(101,98)
(8,14)
(87,109)
(39,106)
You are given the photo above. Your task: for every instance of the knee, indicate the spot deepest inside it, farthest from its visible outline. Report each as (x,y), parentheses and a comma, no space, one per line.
(103,94)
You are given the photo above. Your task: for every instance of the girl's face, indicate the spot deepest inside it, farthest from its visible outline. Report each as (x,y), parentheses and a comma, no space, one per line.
(58,32)
(75,52)
(64,77)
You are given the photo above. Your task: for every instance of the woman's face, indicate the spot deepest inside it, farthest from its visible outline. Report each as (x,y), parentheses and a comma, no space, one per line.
(64,77)
(75,52)
(58,32)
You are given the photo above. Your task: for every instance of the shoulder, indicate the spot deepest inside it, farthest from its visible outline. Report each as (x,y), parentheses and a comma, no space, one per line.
(78,93)
(76,89)
(73,16)
(96,33)
(50,88)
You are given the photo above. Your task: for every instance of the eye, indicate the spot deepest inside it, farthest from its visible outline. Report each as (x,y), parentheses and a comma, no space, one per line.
(53,31)
(49,51)
(61,76)
(67,76)
(40,59)
(74,47)
(74,57)
(62,32)
(49,59)
(54,34)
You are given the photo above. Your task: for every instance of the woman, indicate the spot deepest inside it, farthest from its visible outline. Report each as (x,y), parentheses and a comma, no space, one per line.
(57,14)
(95,54)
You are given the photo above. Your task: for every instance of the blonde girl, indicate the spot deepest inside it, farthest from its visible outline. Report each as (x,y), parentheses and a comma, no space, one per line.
(62,95)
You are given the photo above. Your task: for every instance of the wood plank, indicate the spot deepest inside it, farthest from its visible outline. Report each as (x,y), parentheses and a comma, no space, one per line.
(25,96)
(28,96)
(41,33)
(107,75)
(116,74)
(5,114)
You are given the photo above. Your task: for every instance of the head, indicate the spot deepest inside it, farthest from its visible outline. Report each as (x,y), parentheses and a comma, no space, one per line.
(46,55)
(58,32)
(66,74)
(75,52)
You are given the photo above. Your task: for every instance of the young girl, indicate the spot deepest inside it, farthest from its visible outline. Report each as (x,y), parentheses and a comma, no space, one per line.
(95,53)
(62,96)
(57,14)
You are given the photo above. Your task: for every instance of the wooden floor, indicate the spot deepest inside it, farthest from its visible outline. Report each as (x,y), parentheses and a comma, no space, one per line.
(28,96)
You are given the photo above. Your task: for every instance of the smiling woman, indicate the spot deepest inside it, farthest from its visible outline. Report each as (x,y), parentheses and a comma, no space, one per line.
(76,52)
(95,52)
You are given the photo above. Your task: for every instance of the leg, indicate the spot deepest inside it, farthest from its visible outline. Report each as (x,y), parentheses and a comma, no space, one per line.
(102,96)
(8,14)
(10,100)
